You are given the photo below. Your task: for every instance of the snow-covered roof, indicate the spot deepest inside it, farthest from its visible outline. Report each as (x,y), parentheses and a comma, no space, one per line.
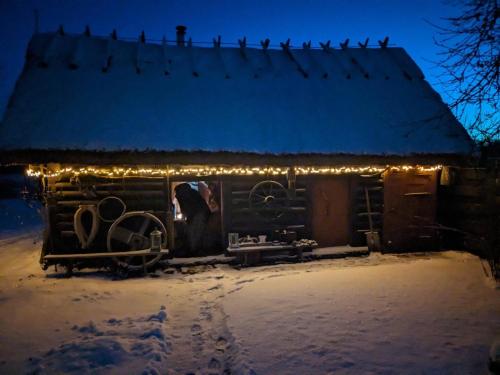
(90,93)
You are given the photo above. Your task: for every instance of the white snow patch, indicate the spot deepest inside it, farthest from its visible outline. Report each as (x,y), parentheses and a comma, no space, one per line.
(418,313)
(342,113)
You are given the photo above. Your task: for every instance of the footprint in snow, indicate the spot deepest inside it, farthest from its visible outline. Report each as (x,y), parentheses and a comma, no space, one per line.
(214,363)
(205,314)
(150,371)
(235,290)
(221,344)
(196,329)
(276,275)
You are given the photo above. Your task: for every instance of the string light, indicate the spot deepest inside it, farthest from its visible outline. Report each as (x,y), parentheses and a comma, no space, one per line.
(222,171)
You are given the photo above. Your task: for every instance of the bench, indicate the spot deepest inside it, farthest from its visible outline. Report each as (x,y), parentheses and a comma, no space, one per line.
(250,253)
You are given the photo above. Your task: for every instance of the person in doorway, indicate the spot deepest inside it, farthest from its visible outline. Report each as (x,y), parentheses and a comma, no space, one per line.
(197,213)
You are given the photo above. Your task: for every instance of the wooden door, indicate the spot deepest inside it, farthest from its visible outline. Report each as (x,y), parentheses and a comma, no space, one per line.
(330,210)
(410,204)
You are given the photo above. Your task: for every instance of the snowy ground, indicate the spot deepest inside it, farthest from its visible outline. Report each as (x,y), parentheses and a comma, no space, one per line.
(19,216)
(426,313)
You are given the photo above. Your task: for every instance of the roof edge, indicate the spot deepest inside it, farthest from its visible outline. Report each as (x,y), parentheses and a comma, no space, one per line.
(109,158)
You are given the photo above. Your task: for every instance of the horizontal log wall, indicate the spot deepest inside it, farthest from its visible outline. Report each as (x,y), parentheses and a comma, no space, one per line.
(240,218)
(471,203)
(66,194)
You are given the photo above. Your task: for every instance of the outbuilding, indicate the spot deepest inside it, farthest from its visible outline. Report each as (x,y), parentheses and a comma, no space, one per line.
(324,143)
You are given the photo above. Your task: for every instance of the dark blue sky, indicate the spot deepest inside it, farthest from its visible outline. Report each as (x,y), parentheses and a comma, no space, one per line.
(403,21)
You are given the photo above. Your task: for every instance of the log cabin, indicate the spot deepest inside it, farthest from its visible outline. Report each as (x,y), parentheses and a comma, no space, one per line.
(328,143)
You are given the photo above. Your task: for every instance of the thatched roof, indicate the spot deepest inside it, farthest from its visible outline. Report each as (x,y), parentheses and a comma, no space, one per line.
(83,93)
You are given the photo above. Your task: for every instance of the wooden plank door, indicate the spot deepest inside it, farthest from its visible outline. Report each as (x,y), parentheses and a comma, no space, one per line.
(330,210)
(410,205)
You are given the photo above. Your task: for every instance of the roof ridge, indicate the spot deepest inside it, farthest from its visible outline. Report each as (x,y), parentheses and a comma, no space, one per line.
(209,44)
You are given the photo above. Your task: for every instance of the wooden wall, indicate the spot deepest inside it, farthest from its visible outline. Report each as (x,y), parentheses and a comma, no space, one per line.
(238,217)
(470,202)
(329,209)
(66,194)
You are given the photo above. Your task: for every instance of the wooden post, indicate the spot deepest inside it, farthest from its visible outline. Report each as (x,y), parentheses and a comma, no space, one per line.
(170,214)
(291,177)
(225,210)
(144,265)
(369,209)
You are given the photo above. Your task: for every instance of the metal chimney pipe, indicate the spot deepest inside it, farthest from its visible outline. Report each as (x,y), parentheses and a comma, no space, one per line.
(181,31)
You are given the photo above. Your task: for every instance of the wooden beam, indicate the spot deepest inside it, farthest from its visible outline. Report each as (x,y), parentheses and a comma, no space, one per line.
(325,46)
(139,53)
(217,45)
(166,60)
(106,254)
(313,62)
(217,41)
(110,47)
(286,48)
(258,248)
(243,45)
(74,60)
(345,44)
(49,50)
(191,58)
(265,44)
(384,43)
(365,44)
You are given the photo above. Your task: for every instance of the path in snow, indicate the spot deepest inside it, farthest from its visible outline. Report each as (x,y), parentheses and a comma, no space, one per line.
(430,313)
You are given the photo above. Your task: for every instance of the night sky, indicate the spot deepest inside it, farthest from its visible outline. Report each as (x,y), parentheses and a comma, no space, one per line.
(403,21)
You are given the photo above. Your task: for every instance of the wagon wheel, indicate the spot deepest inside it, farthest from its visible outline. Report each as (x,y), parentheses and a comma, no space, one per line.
(131,232)
(269,199)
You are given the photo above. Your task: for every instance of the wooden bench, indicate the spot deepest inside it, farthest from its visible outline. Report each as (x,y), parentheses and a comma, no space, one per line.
(251,253)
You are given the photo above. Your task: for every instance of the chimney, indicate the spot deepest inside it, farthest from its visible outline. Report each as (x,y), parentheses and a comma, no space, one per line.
(181,31)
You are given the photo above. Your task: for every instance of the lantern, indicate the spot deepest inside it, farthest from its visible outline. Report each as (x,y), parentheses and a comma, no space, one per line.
(155,240)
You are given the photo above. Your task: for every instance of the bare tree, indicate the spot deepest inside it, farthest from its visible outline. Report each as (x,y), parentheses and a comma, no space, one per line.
(470,62)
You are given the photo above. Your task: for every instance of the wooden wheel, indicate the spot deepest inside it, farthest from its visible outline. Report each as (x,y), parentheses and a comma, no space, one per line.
(110,208)
(269,199)
(131,232)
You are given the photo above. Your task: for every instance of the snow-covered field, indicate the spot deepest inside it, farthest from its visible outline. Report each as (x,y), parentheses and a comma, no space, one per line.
(382,314)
